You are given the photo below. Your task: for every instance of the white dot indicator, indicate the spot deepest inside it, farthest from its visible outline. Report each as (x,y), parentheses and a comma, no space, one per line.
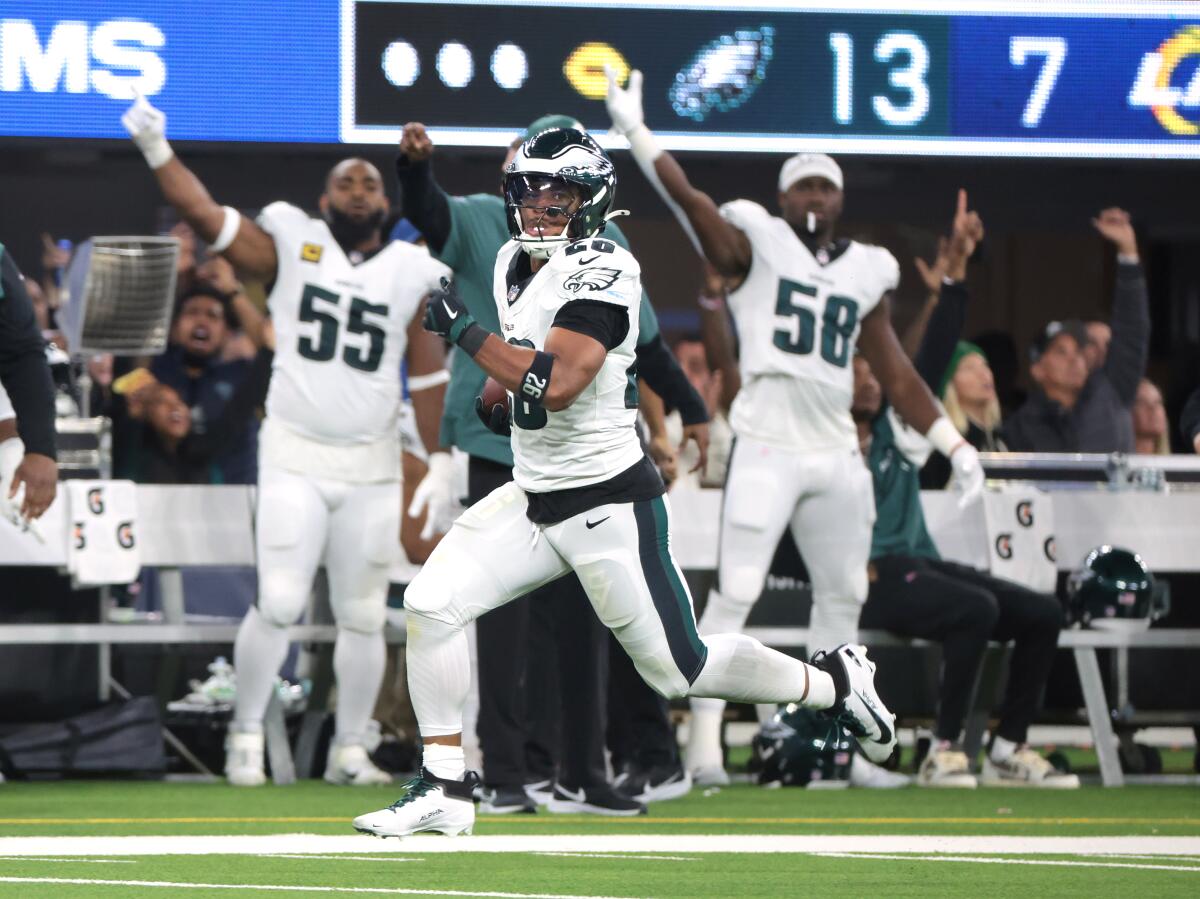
(401,66)
(454,65)
(509,66)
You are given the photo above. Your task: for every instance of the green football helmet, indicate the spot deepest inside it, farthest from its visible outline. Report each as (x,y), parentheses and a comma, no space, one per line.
(800,747)
(1112,590)
(564,157)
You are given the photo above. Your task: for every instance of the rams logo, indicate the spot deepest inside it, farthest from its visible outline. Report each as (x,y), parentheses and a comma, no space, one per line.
(592,279)
(95,500)
(311,252)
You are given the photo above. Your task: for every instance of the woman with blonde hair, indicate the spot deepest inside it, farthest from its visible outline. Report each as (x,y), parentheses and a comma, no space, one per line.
(1150,421)
(968,392)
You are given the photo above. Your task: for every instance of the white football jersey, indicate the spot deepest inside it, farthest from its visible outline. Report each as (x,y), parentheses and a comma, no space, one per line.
(341,329)
(6,406)
(593,439)
(798,321)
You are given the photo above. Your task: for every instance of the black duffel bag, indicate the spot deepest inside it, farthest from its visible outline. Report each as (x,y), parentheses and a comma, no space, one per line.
(119,738)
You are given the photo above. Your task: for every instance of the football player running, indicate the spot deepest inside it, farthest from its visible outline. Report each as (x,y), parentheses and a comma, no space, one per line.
(585,497)
(801,300)
(345,308)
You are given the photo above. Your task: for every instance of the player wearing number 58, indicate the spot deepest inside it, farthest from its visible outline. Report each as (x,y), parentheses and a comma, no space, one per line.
(346,309)
(803,300)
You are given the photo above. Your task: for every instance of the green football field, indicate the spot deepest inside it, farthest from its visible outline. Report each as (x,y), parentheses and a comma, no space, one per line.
(196,840)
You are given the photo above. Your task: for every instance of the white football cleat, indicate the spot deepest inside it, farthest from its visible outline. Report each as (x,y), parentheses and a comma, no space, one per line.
(869,776)
(244,759)
(429,805)
(946,767)
(860,708)
(1025,768)
(350,766)
(709,776)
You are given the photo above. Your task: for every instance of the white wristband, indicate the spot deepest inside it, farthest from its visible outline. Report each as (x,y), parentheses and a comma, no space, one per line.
(944,436)
(642,144)
(425,382)
(229,230)
(157,152)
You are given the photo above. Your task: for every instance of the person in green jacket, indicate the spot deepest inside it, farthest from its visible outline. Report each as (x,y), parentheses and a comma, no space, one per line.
(519,729)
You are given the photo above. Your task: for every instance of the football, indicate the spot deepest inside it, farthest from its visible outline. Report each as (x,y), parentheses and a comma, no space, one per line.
(493,394)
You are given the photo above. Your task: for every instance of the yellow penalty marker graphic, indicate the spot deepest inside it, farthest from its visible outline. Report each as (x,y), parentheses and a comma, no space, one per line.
(584,68)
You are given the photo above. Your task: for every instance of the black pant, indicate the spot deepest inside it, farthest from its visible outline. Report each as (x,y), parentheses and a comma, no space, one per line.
(543,676)
(962,608)
(639,724)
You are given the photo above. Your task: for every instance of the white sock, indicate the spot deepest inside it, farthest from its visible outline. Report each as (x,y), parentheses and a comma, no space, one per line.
(358,663)
(741,669)
(446,762)
(1002,749)
(704,734)
(439,674)
(258,654)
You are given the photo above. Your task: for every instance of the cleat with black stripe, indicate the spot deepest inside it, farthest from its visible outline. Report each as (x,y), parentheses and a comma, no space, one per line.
(858,706)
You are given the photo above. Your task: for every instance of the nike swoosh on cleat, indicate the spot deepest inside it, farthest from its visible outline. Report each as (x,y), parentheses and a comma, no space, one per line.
(452,314)
(885,730)
(577,796)
(592,524)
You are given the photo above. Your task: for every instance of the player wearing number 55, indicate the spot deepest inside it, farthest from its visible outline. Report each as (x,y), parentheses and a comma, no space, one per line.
(346,309)
(803,300)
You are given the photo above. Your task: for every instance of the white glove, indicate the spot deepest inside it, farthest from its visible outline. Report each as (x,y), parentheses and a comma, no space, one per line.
(435,496)
(624,104)
(968,474)
(148,128)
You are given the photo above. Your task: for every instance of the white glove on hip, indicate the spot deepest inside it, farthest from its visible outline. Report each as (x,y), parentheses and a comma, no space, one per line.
(435,496)
(968,474)
(148,128)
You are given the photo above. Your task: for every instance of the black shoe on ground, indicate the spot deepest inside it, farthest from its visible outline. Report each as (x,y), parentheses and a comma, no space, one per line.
(655,784)
(598,799)
(506,801)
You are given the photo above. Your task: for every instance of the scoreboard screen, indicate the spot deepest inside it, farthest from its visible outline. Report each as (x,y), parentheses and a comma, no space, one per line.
(1067,78)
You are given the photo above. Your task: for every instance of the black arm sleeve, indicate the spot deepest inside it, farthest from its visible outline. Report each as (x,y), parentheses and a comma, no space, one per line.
(606,322)
(658,365)
(1126,362)
(23,368)
(1189,419)
(235,417)
(423,202)
(941,335)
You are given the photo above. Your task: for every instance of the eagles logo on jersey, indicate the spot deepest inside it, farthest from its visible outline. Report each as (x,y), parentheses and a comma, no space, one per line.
(592,279)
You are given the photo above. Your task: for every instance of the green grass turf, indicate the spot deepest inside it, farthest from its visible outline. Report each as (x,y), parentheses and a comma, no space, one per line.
(702,875)
(81,808)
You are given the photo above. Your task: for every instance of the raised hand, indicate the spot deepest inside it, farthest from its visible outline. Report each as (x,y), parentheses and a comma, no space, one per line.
(415,142)
(148,128)
(1114,225)
(624,103)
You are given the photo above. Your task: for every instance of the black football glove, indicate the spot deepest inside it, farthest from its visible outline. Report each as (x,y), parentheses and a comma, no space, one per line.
(495,419)
(446,314)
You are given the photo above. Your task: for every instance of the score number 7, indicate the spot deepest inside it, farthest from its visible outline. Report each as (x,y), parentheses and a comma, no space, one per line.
(1054,53)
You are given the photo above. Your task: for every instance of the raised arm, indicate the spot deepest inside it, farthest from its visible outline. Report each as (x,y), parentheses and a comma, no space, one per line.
(238,239)
(1127,351)
(726,247)
(423,202)
(720,344)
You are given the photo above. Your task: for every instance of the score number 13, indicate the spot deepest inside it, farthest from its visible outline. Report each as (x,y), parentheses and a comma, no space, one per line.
(910,74)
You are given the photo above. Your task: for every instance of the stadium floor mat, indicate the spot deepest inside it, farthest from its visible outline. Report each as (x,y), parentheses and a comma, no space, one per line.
(93,838)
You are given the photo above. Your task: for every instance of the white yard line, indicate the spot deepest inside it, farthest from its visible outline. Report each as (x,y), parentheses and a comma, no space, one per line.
(624,856)
(985,860)
(291,888)
(314,844)
(344,858)
(73,860)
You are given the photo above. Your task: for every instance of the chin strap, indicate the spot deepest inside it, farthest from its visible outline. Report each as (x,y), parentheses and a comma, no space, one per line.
(616,213)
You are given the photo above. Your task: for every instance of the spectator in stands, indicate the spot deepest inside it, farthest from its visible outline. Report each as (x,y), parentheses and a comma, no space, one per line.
(1189,421)
(1099,336)
(1072,409)
(1150,421)
(193,367)
(1000,350)
(914,592)
(693,358)
(968,392)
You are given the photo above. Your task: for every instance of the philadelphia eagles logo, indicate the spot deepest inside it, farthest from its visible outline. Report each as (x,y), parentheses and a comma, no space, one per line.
(592,279)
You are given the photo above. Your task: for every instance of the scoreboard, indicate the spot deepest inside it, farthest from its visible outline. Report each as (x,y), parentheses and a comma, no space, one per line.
(1033,78)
